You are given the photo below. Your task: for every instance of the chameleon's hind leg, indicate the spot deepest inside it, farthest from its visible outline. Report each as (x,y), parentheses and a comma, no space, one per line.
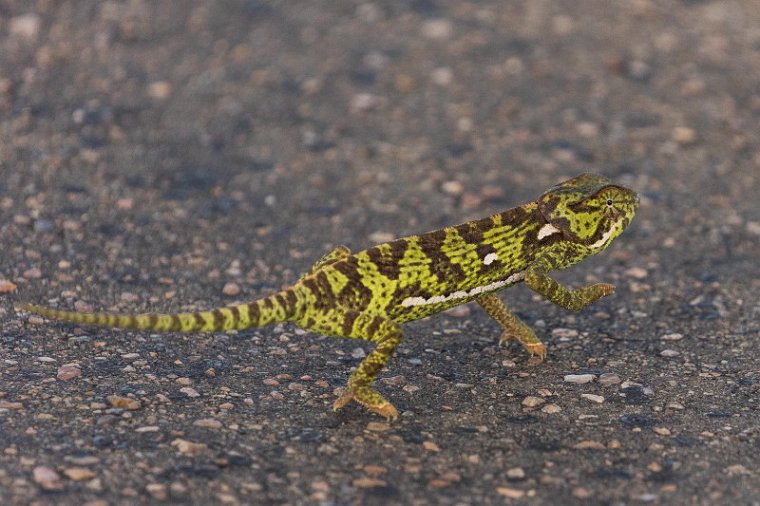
(332,256)
(361,325)
(513,327)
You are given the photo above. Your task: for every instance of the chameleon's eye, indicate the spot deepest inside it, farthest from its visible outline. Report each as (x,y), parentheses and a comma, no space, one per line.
(609,202)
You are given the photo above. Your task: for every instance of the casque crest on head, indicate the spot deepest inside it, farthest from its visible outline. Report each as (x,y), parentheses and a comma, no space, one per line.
(589,209)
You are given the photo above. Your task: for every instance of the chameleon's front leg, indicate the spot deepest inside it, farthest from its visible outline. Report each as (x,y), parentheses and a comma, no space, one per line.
(538,280)
(361,325)
(513,327)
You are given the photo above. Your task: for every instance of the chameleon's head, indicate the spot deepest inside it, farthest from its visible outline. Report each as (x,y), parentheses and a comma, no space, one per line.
(589,209)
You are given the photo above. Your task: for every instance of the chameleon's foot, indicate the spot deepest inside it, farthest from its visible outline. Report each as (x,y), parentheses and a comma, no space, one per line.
(606,288)
(535,348)
(537,352)
(368,398)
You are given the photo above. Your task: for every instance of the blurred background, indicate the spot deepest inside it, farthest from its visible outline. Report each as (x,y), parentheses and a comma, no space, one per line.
(181,154)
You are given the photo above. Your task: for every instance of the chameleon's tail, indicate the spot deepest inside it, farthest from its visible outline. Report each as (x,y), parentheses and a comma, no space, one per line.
(279,307)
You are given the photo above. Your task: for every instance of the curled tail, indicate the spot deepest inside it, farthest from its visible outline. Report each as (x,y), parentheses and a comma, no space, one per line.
(279,307)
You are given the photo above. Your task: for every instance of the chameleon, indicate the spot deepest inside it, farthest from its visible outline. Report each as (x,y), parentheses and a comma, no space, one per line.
(367,295)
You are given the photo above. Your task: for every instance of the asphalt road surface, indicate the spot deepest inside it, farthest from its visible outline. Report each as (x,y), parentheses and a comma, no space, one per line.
(185,155)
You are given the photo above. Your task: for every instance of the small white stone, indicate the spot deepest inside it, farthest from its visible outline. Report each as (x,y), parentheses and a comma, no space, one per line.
(564,333)
(675,336)
(669,353)
(579,379)
(160,90)
(25,25)
(637,273)
(609,378)
(437,29)
(442,76)
(190,392)
(452,187)
(593,398)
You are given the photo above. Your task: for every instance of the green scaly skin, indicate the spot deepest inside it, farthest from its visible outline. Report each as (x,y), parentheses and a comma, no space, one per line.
(368,294)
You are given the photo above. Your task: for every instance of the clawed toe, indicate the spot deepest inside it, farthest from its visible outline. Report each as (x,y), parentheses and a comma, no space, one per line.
(369,399)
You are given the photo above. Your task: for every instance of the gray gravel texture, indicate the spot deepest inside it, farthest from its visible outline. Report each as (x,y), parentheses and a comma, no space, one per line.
(180,155)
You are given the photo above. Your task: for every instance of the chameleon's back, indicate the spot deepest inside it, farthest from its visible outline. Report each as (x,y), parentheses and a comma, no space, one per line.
(416,276)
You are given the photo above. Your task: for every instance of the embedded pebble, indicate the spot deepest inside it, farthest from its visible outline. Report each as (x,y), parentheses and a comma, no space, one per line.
(675,336)
(684,135)
(160,90)
(190,392)
(47,478)
(452,188)
(25,25)
(79,473)
(737,469)
(516,473)
(367,482)
(208,423)
(609,378)
(129,297)
(533,402)
(564,333)
(83,307)
(231,289)
(662,431)
(10,405)
(579,379)
(394,380)
(587,129)
(296,387)
(637,273)
(437,29)
(442,76)
(378,426)
(158,491)
(358,353)
(431,446)
(669,353)
(6,286)
(581,493)
(593,398)
(589,445)
(551,409)
(510,493)
(68,372)
(365,102)
(33,273)
(188,447)
(118,401)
